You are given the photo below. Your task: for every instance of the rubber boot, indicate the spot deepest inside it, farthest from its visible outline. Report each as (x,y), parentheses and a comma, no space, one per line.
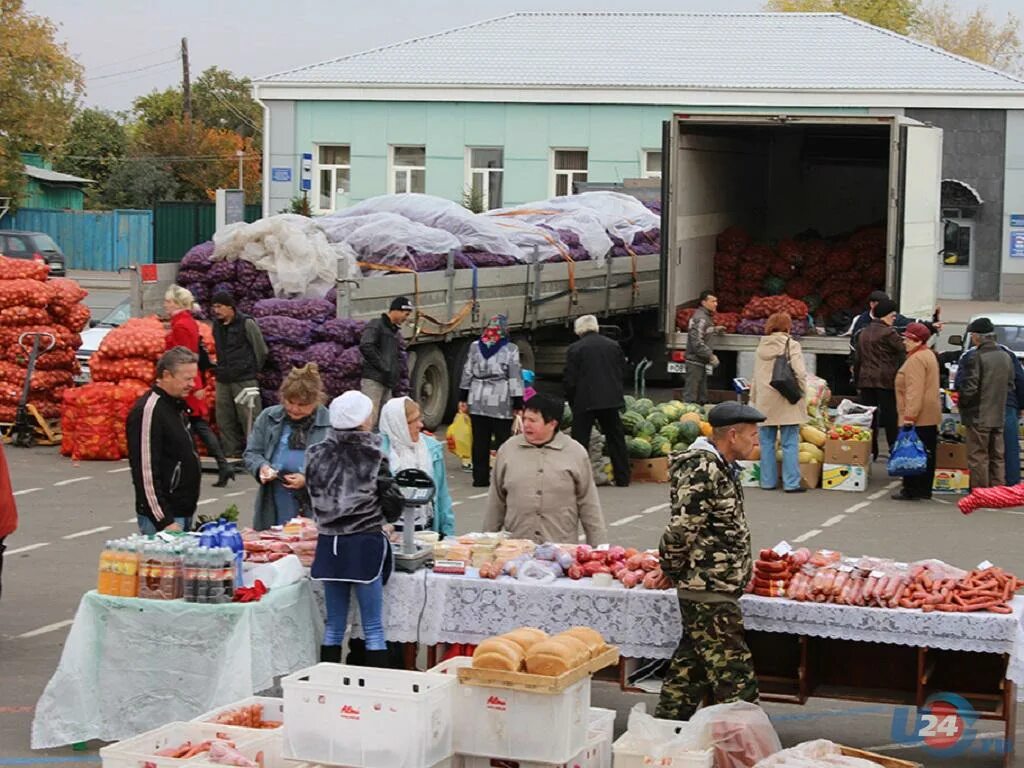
(378,659)
(225,474)
(330,653)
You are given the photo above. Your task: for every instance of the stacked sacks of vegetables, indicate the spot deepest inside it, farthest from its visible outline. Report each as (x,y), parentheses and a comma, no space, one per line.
(130,352)
(31,303)
(659,430)
(760,308)
(205,277)
(728,320)
(93,420)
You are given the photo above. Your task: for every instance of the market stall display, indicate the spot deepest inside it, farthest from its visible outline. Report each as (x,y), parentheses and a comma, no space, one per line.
(298,537)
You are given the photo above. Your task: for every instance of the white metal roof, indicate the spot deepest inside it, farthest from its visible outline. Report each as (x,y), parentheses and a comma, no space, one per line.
(46,174)
(716,51)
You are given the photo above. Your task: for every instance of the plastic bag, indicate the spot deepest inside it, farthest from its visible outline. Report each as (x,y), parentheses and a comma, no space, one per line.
(855,414)
(460,437)
(656,740)
(740,733)
(908,457)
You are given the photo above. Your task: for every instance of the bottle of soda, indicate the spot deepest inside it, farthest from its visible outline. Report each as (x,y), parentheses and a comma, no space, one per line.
(167,572)
(129,569)
(103,577)
(215,575)
(202,575)
(189,576)
(229,574)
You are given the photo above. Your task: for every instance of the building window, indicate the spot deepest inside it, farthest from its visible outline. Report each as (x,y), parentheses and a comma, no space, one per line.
(408,169)
(570,166)
(652,164)
(333,175)
(485,169)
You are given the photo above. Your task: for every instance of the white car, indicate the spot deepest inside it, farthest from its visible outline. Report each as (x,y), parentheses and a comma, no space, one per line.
(95,333)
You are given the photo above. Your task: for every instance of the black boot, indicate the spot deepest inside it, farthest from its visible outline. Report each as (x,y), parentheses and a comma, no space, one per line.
(356,652)
(378,659)
(225,473)
(330,653)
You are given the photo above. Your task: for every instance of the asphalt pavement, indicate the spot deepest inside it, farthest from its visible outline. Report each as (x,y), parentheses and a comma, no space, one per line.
(67,511)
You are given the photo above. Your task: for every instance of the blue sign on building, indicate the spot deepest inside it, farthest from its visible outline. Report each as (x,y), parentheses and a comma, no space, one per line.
(1017,219)
(280,174)
(1017,244)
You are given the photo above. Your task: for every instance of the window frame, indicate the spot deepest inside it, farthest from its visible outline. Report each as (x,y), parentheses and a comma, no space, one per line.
(393,168)
(318,167)
(471,170)
(645,172)
(555,172)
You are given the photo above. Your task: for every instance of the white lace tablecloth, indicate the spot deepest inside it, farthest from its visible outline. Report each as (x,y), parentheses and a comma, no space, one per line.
(130,665)
(432,608)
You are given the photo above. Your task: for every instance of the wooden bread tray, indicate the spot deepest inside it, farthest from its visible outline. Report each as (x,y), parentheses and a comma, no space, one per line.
(523,681)
(874,757)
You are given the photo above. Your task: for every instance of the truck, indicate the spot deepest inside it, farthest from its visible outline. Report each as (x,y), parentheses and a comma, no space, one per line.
(772,174)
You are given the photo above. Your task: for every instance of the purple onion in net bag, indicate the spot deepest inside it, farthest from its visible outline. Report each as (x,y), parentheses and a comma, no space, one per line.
(344,331)
(286,330)
(316,310)
(223,272)
(198,257)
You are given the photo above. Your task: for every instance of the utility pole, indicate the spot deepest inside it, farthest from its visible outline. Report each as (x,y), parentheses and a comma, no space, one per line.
(186,87)
(241,159)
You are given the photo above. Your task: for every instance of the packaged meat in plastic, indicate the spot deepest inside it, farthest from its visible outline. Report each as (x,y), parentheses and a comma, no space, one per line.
(538,572)
(739,732)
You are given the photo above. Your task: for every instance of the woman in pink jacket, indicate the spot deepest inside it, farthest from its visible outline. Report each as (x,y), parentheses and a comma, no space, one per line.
(8,511)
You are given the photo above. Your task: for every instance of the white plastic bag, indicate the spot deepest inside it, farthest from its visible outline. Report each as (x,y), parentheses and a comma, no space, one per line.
(740,733)
(855,414)
(658,739)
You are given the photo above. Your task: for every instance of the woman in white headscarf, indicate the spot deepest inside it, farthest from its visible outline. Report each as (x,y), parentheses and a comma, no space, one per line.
(406,446)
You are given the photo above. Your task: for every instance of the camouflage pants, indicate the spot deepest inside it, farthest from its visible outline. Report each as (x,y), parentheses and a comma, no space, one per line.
(712,657)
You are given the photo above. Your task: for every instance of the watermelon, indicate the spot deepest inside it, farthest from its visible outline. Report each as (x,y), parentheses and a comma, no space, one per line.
(566,417)
(690,408)
(688,431)
(643,406)
(673,410)
(638,448)
(629,400)
(631,421)
(658,419)
(679,447)
(647,429)
(670,432)
(660,446)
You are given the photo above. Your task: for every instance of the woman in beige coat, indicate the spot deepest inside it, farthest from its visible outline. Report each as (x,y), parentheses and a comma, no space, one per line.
(783,417)
(918,405)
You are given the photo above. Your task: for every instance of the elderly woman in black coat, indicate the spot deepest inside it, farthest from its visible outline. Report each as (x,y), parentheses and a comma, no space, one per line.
(353,496)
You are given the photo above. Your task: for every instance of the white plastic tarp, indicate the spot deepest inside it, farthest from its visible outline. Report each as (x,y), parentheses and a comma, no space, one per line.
(387,236)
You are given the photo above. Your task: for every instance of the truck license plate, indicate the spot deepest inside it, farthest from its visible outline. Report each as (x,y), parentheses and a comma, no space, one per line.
(677,367)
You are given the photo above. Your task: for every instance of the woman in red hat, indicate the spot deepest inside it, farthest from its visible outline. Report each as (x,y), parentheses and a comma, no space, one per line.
(917,402)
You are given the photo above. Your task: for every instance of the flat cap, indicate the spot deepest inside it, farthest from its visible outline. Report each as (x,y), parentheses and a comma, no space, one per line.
(729,413)
(981,325)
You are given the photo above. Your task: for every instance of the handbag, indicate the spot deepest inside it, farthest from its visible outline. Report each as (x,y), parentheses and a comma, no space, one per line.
(909,457)
(784,379)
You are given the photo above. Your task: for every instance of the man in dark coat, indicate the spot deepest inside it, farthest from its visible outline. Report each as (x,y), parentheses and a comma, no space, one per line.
(594,370)
(241,354)
(381,348)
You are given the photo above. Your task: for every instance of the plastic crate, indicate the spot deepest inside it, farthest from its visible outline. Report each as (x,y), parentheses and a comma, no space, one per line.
(627,755)
(596,754)
(273,709)
(368,718)
(140,751)
(518,725)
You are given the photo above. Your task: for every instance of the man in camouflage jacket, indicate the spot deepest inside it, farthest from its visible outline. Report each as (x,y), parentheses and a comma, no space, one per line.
(698,352)
(705,550)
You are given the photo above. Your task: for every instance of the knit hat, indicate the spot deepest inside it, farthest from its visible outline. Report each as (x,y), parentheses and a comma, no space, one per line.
(918,332)
(223,298)
(981,325)
(878,296)
(350,410)
(883,308)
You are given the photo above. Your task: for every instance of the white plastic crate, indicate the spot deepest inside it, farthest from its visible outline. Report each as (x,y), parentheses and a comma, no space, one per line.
(596,754)
(626,753)
(140,751)
(273,709)
(368,718)
(518,725)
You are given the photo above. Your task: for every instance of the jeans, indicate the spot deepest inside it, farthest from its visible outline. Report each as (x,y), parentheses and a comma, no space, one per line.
(147,528)
(371,601)
(790,456)
(1011,432)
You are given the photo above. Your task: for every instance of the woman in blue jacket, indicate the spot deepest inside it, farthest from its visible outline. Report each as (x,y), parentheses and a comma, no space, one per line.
(406,447)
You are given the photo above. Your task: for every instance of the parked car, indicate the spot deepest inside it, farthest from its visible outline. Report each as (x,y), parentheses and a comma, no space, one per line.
(18,244)
(1009,332)
(97,330)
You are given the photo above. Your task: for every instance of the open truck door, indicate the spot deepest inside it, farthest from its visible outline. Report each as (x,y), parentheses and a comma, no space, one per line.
(919,228)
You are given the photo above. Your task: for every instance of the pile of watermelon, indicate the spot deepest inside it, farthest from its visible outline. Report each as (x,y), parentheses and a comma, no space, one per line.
(829,275)
(658,430)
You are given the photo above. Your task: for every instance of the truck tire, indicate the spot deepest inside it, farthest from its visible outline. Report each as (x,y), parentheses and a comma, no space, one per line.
(527,358)
(430,385)
(456,351)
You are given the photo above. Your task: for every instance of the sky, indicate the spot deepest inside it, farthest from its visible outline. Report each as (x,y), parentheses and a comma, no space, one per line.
(129,48)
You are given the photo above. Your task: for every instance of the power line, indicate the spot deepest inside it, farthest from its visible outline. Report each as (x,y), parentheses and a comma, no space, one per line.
(165,158)
(135,58)
(133,71)
(238,113)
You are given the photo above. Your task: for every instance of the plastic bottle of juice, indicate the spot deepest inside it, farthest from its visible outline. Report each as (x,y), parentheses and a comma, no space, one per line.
(228,574)
(103,577)
(166,572)
(129,569)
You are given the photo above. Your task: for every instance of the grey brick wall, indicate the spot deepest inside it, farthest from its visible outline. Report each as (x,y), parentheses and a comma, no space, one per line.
(974,151)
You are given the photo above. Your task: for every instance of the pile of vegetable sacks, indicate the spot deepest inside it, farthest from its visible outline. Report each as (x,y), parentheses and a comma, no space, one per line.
(93,419)
(205,278)
(29,302)
(829,275)
(728,320)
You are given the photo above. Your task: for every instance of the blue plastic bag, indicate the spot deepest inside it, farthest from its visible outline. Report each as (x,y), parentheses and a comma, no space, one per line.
(908,457)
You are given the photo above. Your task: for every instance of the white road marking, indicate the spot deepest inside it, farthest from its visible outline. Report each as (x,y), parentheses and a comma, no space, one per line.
(24,491)
(655,508)
(27,548)
(625,520)
(89,532)
(115,471)
(456,503)
(857,507)
(805,536)
(1004,511)
(894,484)
(44,630)
(236,493)
(131,520)
(479,495)
(941,501)
(72,480)
(878,494)
(833,520)
(205,501)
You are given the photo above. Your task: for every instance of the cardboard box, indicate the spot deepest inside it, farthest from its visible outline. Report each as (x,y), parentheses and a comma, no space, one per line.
(951,481)
(951,455)
(649,470)
(844,477)
(750,474)
(856,453)
(810,475)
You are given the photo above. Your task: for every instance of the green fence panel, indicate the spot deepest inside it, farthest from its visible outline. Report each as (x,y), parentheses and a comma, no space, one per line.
(179,226)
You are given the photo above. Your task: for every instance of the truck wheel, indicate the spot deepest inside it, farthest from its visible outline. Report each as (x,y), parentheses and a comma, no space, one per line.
(430,385)
(456,351)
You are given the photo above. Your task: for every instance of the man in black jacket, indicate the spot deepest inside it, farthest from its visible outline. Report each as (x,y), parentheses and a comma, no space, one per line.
(594,369)
(381,346)
(161,452)
(241,354)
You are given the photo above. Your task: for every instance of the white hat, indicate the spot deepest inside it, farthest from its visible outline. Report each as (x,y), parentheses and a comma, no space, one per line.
(350,410)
